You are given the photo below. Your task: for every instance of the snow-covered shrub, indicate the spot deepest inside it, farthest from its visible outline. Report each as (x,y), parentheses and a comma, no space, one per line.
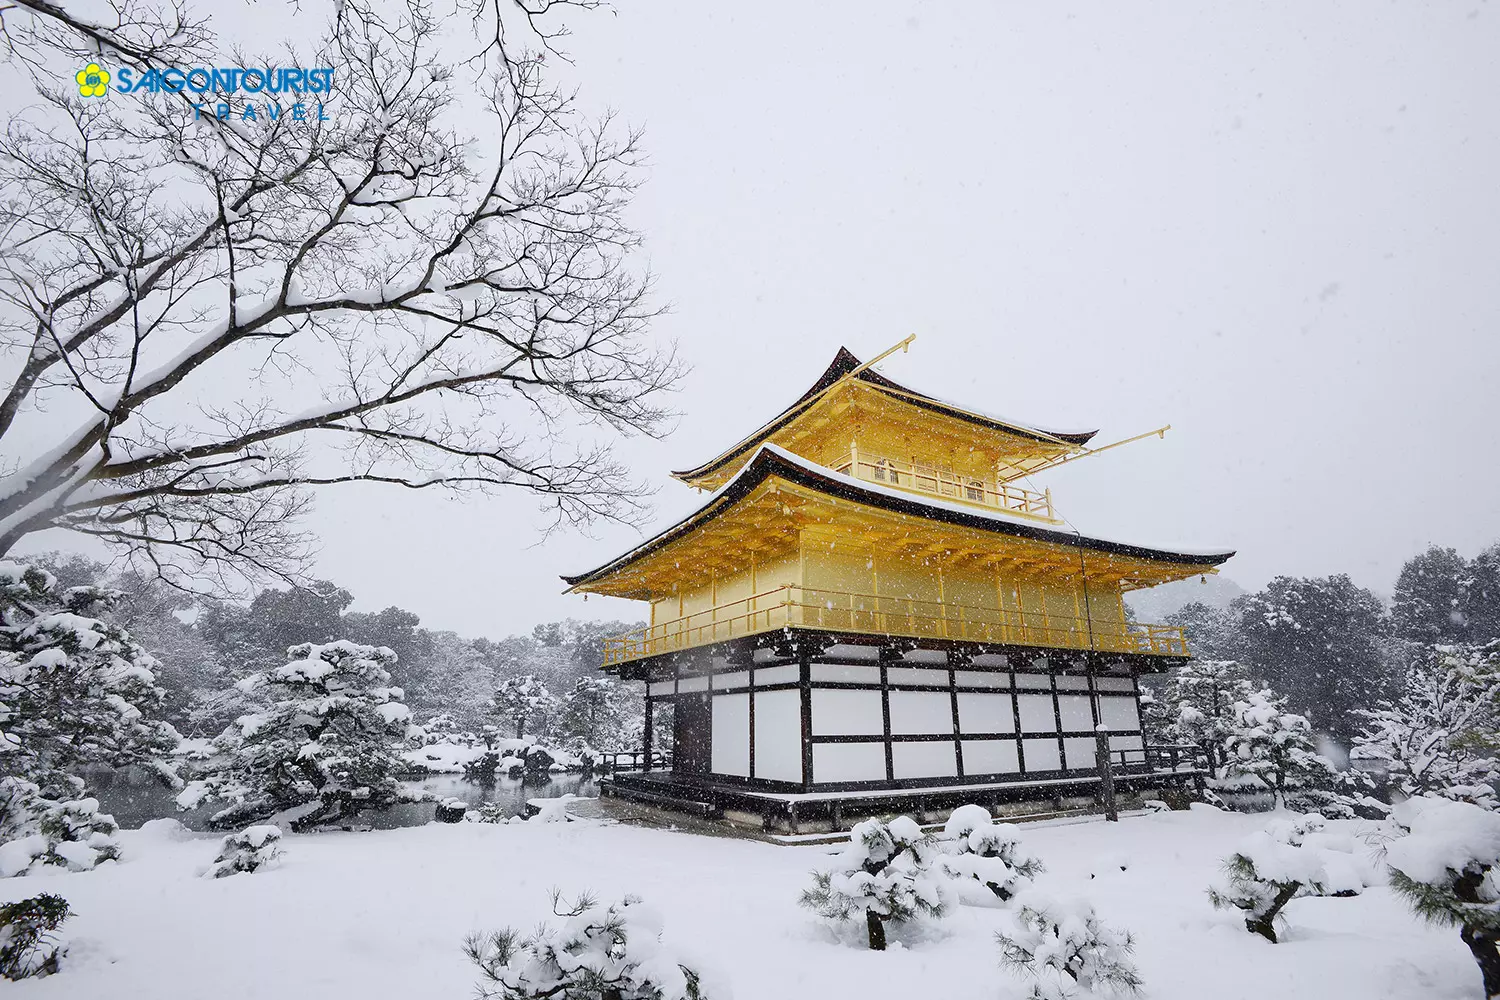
(68,833)
(885,874)
(1447,869)
(491,812)
(1292,857)
(28,936)
(598,952)
(547,811)
(75,689)
(250,850)
(1437,738)
(1271,748)
(979,850)
(322,749)
(441,728)
(1067,950)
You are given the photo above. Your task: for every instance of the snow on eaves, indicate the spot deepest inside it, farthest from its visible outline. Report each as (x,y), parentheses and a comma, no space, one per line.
(1003,522)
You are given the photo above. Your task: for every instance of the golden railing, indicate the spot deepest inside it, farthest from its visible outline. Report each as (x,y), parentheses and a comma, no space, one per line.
(808,607)
(918,477)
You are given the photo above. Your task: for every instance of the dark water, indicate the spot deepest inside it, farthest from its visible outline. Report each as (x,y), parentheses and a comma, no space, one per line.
(133,797)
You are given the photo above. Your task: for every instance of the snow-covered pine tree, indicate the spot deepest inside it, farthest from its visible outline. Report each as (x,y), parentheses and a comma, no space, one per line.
(1215,630)
(1428,604)
(1446,869)
(74,688)
(1482,596)
(1320,642)
(1065,948)
(522,699)
(71,833)
(28,936)
(249,850)
(441,728)
(885,874)
(591,716)
(1440,737)
(323,748)
(981,850)
(1271,868)
(1199,702)
(611,952)
(1275,749)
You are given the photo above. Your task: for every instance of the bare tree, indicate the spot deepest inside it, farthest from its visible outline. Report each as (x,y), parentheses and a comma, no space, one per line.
(204,316)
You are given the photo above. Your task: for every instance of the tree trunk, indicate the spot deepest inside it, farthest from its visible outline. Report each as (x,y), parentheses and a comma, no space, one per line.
(1264,925)
(877,930)
(1483,949)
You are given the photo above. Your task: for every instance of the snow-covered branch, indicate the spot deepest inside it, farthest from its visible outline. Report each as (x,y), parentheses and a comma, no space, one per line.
(216,315)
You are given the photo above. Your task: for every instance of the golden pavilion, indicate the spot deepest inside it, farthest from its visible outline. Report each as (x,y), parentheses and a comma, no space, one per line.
(870,608)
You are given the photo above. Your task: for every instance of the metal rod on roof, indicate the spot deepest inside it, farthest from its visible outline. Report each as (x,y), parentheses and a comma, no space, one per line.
(1159,432)
(902,347)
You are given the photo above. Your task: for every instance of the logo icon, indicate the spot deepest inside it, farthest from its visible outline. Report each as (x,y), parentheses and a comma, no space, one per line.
(93,81)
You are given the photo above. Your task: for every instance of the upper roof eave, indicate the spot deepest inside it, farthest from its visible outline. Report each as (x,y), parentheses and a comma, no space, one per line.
(845,362)
(771,460)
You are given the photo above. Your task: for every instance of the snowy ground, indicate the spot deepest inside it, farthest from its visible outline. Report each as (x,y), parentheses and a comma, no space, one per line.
(382,914)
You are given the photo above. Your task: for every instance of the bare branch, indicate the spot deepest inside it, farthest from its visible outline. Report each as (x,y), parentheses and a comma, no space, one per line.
(204,318)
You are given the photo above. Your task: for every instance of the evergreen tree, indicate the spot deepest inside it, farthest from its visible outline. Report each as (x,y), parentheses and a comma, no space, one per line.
(322,749)
(979,849)
(1065,948)
(1440,737)
(455,680)
(28,936)
(416,670)
(885,874)
(279,619)
(520,700)
(1430,602)
(188,670)
(1321,643)
(1482,596)
(1213,633)
(1270,869)
(599,952)
(38,833)
(1446,869)
(1198,705)
(1276,749)
(591,713)
(75,688)
(249,850)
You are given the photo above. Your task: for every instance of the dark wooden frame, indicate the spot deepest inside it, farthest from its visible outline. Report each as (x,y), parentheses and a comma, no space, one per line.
(802,648)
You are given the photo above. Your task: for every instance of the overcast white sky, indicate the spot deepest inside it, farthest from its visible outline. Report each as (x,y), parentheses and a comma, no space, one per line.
(1274,227)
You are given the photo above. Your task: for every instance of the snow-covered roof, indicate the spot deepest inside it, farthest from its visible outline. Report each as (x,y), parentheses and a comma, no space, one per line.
(772,460)
(845,362)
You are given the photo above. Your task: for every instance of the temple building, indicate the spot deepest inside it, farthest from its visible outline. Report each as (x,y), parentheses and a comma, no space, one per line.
(870,608)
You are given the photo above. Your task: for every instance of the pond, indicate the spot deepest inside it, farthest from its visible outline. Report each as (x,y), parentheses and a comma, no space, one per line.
(134,797)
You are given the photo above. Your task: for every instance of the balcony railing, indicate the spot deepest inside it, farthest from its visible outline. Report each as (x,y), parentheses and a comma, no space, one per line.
(807,607)
(941,481)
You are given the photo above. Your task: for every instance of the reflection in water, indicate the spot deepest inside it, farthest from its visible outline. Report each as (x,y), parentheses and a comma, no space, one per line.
(511,793)
(134,797)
